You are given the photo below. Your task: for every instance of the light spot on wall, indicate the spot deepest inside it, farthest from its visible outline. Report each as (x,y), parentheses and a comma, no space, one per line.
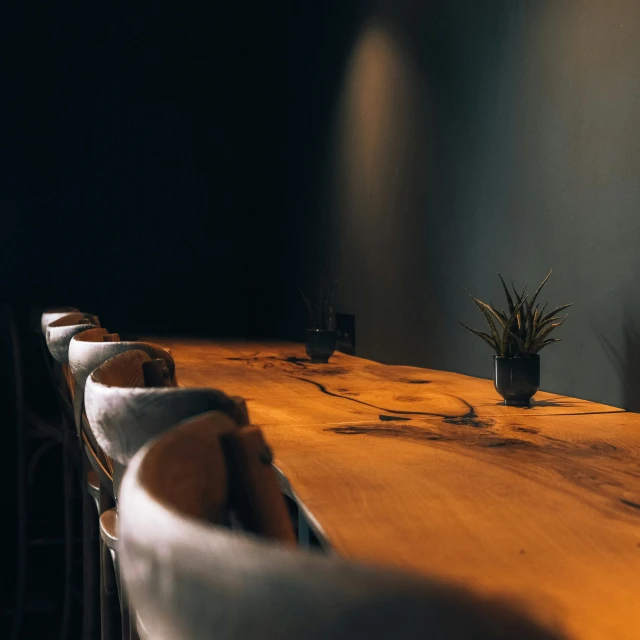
(379,160)
(376,113)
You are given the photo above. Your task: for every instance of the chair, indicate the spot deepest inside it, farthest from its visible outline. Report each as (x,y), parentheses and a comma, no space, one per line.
(124,411)
(60,331)
(58,335)
(129,399)
(87,350)
(49,315)
(36,436)
(190,577)
(54,369)
(59,326)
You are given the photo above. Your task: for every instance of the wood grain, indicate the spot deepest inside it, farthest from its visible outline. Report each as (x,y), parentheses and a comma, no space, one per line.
(427,471)
(193,579)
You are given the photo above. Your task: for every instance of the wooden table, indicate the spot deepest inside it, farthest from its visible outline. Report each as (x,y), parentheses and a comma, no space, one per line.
(427,471)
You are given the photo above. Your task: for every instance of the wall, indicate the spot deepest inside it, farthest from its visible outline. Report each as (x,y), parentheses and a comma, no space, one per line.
(470,138)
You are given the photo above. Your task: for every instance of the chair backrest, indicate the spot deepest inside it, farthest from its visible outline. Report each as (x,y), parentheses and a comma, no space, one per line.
(60,331)
(49,315)
(124,413)
(89,349)
(191,578)
(58,334)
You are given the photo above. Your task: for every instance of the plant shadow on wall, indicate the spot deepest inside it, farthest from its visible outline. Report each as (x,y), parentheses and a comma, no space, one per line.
(625,359)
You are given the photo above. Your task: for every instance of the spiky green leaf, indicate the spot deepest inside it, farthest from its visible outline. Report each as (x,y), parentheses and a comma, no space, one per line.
(560,319)
(504,344)
(556,311)
(546,343)
(484,307)
(500,315)
(520,343)
(527,325)
(485,336)
(540,338)
(544,306)
(518,306)
(508,295)
(534,327)
(539,289)
(307,303)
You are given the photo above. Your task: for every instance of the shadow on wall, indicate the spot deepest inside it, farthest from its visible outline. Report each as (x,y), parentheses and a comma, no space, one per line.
(625,360)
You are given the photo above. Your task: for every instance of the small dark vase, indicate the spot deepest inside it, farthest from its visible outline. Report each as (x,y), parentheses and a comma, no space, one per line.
(320,345)
(517,379)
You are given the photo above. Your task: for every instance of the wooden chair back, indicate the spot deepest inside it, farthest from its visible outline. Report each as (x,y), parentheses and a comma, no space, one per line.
(87,351)
(49,315)
(90,348)
(60,331)
(58,335)
(126,406)
(190,577)
(45,319)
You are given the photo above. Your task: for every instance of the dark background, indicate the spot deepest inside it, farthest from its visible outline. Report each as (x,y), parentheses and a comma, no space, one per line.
(144,163)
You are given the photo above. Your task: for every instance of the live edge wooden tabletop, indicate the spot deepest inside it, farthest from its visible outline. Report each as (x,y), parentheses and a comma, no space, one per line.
(427,471)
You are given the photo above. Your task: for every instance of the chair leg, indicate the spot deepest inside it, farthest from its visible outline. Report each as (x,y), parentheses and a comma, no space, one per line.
(67,480)
(124,608)
(111,624)
(90,567)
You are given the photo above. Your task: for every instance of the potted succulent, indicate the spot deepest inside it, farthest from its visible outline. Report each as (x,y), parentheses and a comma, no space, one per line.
(517,338)
(321,337)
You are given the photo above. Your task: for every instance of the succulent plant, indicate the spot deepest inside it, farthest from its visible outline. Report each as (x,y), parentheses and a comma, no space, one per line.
(525,330)
(320,304)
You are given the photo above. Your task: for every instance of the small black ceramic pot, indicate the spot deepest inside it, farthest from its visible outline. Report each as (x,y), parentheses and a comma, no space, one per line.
(320,345)
(517,379)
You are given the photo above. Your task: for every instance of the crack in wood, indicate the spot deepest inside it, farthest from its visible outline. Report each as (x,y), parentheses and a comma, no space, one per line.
(533,430)
(470,419)
(249,358)
(506,442)
(630,503)
(474,422)
(470,415)
(391,431)
(420,433)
